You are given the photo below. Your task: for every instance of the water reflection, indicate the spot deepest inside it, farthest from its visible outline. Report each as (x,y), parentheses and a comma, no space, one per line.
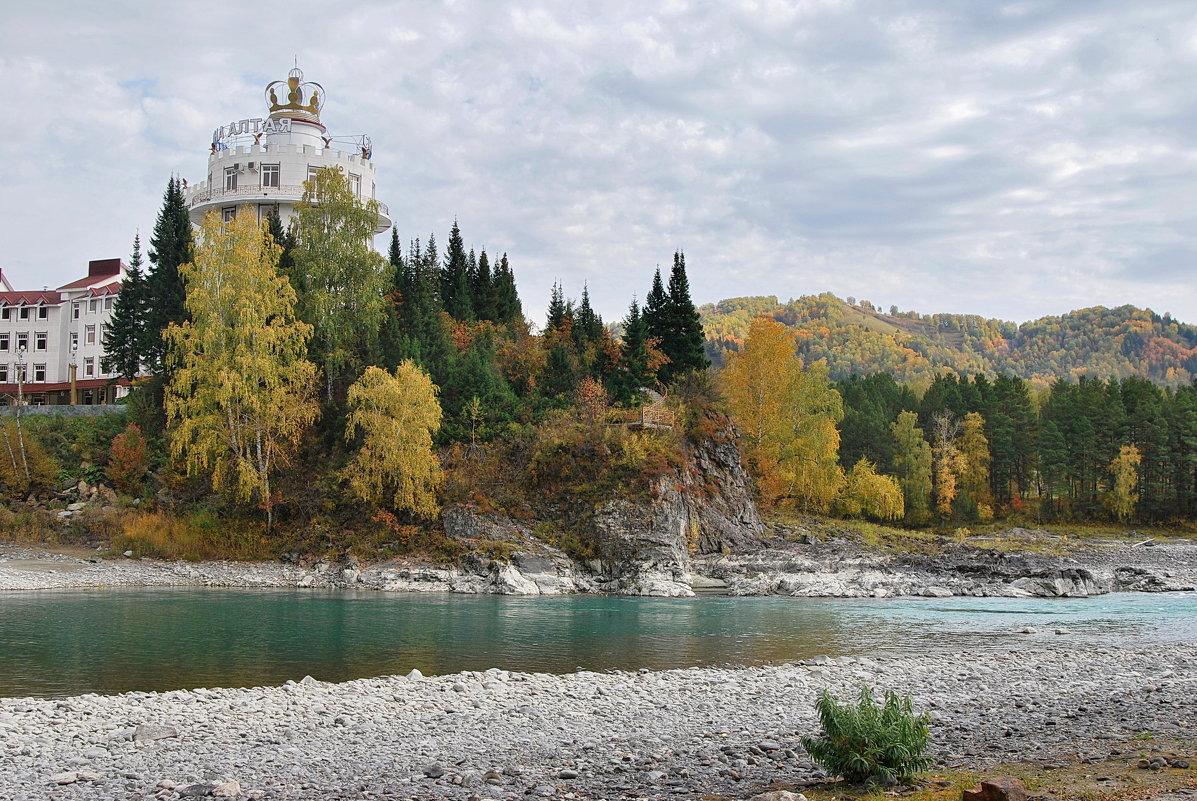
(57,643)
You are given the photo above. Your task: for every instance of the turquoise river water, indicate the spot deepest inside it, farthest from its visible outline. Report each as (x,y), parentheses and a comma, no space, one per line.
(115,640)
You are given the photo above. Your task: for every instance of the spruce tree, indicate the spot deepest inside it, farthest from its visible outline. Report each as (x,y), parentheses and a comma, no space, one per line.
(284,237)
(125,334)
(455,278)
(588,326)
(683,341)
(170,246)
(656,311)
(483,289)
(632,373)
(507,300)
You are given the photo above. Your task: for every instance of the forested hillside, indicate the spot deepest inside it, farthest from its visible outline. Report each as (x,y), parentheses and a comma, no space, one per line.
(858,339)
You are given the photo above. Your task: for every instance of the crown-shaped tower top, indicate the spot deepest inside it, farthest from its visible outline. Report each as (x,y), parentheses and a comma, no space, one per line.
(303,101)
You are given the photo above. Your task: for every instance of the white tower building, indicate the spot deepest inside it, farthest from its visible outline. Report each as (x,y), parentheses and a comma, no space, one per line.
(264,162)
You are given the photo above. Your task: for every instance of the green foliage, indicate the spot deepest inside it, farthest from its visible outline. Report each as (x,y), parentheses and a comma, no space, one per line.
(170,248)
(125,335)
(870,742)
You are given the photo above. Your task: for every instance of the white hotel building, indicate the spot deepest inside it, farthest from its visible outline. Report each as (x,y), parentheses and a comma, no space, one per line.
(54,339)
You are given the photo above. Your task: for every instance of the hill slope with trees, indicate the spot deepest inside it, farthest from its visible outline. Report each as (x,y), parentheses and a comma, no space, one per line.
(858,339)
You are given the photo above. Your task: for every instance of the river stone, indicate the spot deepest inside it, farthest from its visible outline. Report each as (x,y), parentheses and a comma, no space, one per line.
(65,778)
(227,790)
(415,674)
(196,790)
(434,771)
(778,795)
(567,774)
(999,788)
(152,731)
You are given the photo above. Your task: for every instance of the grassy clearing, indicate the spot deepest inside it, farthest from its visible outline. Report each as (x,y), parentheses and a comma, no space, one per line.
(1053,538)
(1117,778)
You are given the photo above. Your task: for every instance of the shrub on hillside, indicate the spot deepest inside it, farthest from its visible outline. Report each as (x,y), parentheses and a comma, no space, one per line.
(869,742)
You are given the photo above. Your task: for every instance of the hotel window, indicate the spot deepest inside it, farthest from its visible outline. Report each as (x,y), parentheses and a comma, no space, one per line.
(39,373)
(22,342)
(312,172)
(270,175)
(228,214)
(6,313)
(93,306)
(24,312)
(230,178)
(74,340)
(89,366)
(3,373)
(107,304)
(3,341)
(355,184)
(75,310)
(39,340)
(265,210)
(43,312)
(90,338)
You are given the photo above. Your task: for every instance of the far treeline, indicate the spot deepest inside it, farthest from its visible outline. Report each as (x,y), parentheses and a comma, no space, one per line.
(858,338)
(295,390)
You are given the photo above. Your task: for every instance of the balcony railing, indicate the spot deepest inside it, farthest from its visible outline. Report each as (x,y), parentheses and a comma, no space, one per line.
(261,194)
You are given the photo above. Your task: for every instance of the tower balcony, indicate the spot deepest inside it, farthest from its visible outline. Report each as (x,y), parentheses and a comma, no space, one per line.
(201,199)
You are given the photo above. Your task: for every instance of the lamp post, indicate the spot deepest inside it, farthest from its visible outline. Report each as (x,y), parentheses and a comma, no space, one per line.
(74,371)
(20,379)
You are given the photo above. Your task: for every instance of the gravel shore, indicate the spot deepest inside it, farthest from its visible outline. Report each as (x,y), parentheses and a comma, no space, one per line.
(671,734)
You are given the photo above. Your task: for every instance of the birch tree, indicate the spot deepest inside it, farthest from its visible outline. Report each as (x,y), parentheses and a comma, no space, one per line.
(241,395)
(395,416)
(340,279)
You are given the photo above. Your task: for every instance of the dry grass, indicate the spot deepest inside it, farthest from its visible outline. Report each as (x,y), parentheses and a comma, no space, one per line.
(197,537)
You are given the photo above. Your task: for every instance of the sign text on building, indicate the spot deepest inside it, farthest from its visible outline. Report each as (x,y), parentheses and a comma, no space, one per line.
(254,126)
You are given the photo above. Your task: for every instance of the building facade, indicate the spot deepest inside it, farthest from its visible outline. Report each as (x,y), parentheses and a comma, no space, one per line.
(52,341)
(263,162)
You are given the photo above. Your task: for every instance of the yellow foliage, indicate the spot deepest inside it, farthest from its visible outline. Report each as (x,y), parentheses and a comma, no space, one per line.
(396,416)
(24,463)
(241,394)
(787,416)
(1122,497)
(866,492)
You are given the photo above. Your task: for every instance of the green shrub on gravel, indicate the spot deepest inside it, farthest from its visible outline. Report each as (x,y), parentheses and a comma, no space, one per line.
(869,742)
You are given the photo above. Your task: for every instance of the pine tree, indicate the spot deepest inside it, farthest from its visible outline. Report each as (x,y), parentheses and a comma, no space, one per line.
(125,335)
(286,239)
(588,326)
(685,342)
(560,311)
(170,246)
(633,372)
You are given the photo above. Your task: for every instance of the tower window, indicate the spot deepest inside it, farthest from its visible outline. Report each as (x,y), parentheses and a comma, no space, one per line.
(228,214)
(230,178)
(355,184)
(270,175)
(265,210)
(312,172)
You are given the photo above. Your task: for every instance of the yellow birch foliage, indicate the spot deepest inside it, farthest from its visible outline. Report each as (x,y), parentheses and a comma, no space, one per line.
(912,463)
(787,416)
(867,492)
(974,470)
(1122,497)
(241,395)
(396,416)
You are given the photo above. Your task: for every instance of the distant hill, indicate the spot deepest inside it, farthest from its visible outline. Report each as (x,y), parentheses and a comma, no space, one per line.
(1098,342)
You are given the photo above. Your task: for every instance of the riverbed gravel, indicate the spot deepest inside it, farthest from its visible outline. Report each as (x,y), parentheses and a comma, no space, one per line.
(500,735)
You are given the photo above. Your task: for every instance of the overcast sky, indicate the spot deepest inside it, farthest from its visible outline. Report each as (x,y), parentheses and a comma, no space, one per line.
(1006,159)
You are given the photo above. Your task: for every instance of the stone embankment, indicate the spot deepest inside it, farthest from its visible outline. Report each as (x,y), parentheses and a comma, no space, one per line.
(535,568)
(500,735)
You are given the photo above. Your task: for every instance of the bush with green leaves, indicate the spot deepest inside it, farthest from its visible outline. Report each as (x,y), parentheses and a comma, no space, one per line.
(870,742)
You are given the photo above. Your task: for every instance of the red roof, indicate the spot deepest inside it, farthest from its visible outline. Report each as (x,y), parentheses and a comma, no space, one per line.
(83,282)
(107,289)
(29,298)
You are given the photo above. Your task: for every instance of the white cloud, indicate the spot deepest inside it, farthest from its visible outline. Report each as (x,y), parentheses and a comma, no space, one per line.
(1010,160)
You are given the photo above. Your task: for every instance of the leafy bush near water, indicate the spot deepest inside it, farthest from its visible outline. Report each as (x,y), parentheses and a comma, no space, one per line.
(867,742)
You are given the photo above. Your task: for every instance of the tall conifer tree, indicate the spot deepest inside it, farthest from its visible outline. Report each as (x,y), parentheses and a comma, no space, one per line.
(507,300)
(455,278)
(684,340)
(124,337)
(170,246)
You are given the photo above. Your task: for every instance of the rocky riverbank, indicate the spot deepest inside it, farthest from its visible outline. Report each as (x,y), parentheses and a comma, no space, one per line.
(815,569)
(494,734)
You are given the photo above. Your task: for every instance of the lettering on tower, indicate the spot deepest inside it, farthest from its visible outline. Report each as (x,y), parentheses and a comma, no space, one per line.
(243,127)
